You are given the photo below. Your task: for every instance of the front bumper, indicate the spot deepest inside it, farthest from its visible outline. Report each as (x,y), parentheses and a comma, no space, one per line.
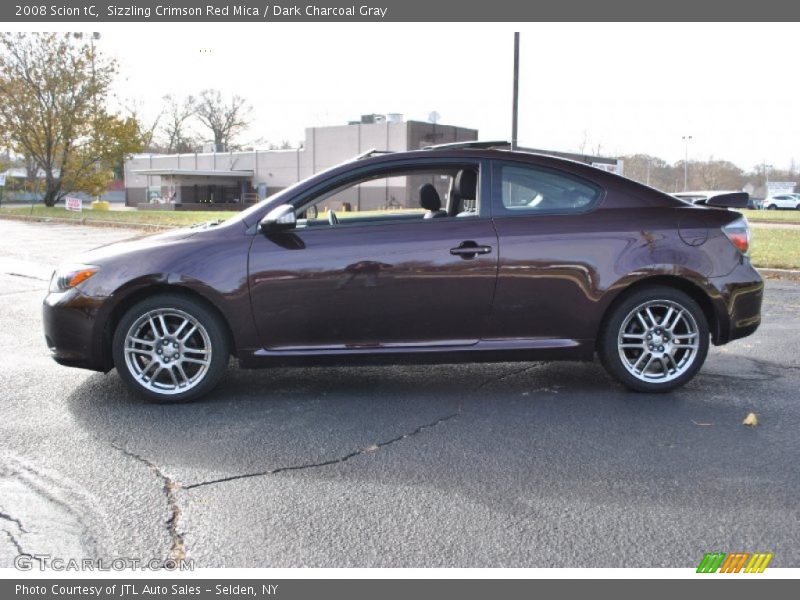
(73,331)
(737,299)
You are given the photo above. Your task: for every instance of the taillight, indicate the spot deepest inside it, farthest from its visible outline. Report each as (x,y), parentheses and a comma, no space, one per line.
(738,232)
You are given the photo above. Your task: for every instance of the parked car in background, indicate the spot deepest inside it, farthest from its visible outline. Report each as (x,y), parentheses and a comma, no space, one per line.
(492,256)
(701,198)
(754,204)
(719,198)
(785,201)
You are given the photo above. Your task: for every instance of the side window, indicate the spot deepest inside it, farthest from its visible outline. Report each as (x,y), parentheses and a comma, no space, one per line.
(405,194)
(525,189)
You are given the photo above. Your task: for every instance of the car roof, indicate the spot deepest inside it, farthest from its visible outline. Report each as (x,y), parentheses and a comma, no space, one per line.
(457,151)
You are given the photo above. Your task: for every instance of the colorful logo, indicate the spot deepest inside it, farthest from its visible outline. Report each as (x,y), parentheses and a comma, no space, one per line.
(736,562)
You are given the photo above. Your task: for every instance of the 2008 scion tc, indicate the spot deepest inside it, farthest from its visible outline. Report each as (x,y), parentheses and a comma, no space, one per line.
(449,254)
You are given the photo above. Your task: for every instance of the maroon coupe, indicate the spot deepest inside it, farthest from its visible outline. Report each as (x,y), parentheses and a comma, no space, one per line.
(440,255)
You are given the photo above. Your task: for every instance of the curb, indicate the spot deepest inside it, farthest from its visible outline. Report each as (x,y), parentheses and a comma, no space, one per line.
(787,274)
(89,222)
(787,224)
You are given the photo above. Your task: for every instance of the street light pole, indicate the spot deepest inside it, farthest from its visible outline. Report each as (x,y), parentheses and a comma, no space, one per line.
(515,101)
(686,139)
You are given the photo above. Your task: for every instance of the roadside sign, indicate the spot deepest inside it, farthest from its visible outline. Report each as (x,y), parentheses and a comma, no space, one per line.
(611,168)
(2,179)
(74,204)
(776,188)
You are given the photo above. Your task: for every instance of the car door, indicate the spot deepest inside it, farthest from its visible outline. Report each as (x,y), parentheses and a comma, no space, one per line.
(380,283)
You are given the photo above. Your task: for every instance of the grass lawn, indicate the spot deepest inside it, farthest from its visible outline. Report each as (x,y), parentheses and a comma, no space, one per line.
(150,217)
(776,248)
(788,216)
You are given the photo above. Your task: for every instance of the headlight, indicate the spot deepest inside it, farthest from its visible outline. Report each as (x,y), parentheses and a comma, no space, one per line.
(70,276)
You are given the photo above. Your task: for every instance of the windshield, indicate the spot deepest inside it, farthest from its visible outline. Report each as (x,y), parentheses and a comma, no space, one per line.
(247,215)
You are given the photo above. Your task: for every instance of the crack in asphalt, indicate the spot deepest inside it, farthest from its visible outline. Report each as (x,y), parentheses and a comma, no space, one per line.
(27,276)
(368,449)
(332,461)
(773,369)
(503,376)
(325,463)
(178,548)
(20,552)
(37,290)
(6,517)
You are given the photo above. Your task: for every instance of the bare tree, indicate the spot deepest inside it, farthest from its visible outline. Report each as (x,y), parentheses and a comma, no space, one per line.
(225,120)
(147,127)
(32,173)
(717,175)
(284,145)
(177,114)
(650,170)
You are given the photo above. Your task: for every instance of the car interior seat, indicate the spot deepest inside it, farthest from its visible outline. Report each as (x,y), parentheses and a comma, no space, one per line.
(465,189)
(429,200)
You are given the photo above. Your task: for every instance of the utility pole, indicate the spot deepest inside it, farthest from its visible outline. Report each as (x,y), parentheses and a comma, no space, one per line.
(686,139)
(766,179)
(515,101)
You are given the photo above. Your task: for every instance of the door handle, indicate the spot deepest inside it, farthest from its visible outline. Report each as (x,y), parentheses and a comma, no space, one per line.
(467,250)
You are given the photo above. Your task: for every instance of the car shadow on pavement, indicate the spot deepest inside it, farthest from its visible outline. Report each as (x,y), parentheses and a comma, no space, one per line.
(266,419)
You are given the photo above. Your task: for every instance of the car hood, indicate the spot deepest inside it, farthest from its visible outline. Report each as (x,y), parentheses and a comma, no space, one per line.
(108,252)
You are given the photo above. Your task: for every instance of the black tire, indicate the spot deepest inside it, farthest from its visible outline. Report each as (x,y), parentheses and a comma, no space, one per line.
(609,351)
(772,207)
(211,331)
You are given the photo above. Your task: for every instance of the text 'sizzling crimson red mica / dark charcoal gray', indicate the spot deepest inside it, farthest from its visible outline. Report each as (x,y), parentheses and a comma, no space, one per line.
(515,257)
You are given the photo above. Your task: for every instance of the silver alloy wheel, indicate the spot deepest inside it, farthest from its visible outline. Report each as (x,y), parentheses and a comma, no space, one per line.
(167,351)
(658,341)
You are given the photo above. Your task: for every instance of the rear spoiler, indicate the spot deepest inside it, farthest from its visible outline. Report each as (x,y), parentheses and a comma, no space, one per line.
(733,200)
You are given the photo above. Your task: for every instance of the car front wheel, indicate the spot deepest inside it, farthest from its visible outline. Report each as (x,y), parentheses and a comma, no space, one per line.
(655,340)
(170,348)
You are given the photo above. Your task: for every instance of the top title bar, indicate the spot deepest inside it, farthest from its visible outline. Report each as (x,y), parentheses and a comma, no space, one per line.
(122,11)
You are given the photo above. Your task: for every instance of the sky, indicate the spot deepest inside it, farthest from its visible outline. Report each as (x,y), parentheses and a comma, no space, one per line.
(616,88)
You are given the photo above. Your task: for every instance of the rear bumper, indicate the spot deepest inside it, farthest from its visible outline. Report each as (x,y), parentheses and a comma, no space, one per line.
(737,299)
(73,332)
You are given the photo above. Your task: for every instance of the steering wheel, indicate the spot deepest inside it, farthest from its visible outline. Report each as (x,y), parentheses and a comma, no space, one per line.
(332,218)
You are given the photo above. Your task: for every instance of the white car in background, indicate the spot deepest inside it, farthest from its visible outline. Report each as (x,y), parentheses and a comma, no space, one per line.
(782,201)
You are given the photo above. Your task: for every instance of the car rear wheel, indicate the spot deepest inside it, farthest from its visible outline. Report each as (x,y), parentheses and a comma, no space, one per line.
(772,207)
(170,348)
(655,340)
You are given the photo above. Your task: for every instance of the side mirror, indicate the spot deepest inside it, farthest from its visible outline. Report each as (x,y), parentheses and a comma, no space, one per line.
(279,218)
(733,200)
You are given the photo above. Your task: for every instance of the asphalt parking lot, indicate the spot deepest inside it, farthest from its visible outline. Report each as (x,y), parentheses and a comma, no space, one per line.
(498,465)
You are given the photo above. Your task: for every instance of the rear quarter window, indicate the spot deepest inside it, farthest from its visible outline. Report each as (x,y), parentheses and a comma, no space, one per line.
(522,189)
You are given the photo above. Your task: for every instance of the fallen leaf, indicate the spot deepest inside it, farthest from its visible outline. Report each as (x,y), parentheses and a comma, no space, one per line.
(751,420)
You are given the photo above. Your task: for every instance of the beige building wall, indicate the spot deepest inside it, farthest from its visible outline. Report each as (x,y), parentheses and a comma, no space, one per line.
(274,170)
